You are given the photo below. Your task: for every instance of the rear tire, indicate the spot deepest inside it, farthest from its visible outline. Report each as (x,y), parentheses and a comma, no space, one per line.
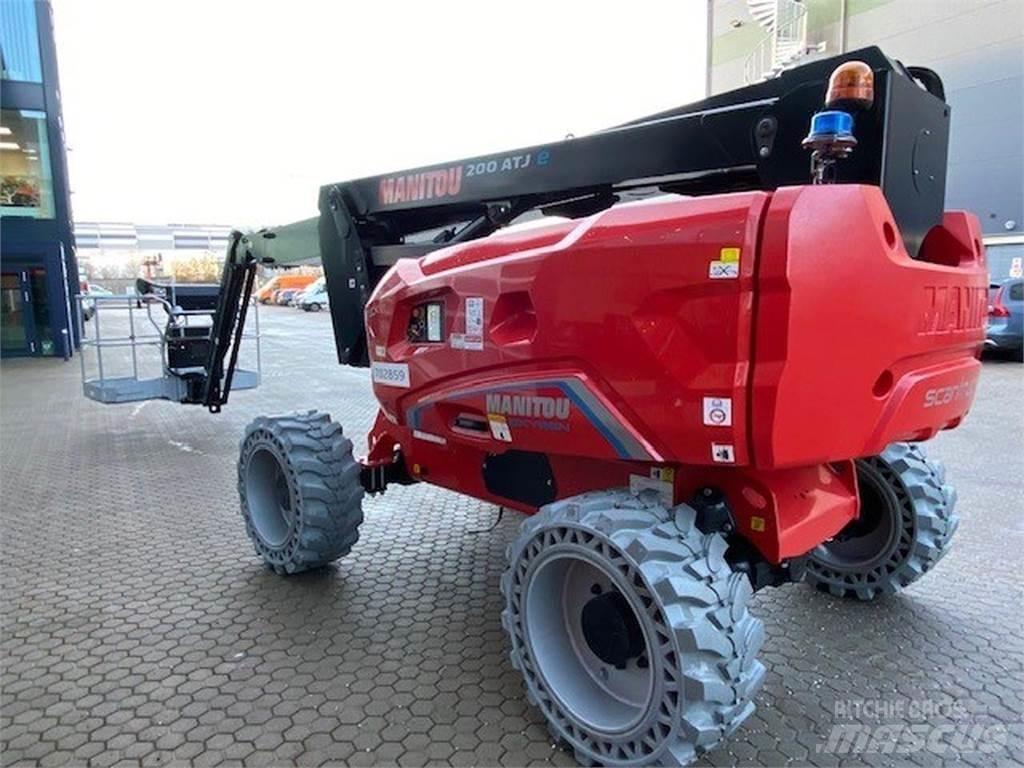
(630,629)
(301,497)
(906,526)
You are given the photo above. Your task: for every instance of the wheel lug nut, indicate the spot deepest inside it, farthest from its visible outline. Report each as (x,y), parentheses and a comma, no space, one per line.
(596,589)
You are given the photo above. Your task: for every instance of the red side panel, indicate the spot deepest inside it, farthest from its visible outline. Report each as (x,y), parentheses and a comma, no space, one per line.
(620,325)
(749,342)
(857,345)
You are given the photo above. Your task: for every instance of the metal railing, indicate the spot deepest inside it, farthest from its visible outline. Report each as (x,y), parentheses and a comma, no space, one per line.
(785,42)
(169,385)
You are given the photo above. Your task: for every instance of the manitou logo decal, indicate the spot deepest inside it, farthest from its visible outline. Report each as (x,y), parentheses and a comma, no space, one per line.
(447,182)
(528,406)
(949,309)
(425,185)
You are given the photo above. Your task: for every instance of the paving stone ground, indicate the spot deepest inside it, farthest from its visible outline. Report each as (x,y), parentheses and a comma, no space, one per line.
(139,626)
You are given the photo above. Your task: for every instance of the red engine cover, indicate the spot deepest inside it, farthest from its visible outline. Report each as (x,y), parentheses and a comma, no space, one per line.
(858,345)
(749,338)
(620,315)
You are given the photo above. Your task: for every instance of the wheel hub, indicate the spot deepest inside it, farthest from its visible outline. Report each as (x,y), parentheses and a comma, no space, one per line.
(588,641)
(270,497)
(611,629)
(870,540)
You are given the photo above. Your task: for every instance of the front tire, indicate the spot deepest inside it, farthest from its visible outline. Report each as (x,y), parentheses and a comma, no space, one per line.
(630,629)
(301,497)
(906,525)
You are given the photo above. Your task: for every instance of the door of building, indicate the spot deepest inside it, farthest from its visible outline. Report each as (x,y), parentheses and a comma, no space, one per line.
(25,327)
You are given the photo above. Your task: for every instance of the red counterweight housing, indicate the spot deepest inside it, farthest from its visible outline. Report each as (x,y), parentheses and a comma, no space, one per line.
(754,342)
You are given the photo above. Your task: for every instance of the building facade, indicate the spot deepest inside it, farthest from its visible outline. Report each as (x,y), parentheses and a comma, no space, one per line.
(37,254)
(976,46)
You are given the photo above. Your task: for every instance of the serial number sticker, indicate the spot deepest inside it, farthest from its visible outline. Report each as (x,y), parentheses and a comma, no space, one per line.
(390,374)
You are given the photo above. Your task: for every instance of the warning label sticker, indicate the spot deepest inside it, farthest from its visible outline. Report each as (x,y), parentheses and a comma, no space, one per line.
(723,453)
(718,411)
(728,265)
(474,338)
(474,316)
(499,427)
(666,474)
(723,270)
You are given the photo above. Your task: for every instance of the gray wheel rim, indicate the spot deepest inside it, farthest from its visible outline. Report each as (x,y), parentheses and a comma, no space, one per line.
(592,690)
(270,496)
(862,547)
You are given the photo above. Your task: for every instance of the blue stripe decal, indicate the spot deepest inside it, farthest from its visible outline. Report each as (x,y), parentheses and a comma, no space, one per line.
(624,444)
(596,422)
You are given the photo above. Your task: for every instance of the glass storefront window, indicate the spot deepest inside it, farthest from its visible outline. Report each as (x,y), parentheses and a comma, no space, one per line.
(26,186)
(19,41)
(13,337)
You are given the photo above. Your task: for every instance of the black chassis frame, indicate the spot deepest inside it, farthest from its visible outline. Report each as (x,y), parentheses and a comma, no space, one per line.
(746,139)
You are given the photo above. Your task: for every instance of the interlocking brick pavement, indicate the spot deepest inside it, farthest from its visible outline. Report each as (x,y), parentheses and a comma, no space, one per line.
(140,628)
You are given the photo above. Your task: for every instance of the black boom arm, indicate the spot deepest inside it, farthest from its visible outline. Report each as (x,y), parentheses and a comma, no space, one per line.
(744,139)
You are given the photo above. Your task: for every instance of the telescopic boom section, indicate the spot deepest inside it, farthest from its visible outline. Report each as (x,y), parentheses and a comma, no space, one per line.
(745,139)
(228,322)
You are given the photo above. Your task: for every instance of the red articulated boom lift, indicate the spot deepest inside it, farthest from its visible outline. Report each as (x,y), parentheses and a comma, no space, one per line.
(694,394)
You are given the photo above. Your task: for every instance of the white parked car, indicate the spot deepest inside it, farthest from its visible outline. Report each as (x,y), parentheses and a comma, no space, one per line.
(314,298)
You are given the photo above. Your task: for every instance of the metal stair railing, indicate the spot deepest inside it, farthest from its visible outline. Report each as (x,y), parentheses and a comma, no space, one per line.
(785,42)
